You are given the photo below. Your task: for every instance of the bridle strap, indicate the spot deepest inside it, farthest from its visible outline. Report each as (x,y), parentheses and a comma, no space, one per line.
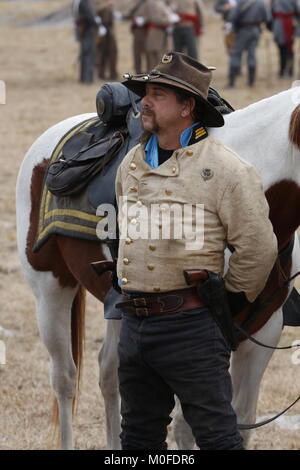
(245,427)
(255,341)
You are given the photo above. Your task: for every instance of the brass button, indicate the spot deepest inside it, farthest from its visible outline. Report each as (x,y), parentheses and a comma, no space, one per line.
(168,192)
(128,241)
(189,153)
(156,289)
(126,261)
(174,170)
(133,190)
(150,267)
(124,280)
(132,166)
(152,247)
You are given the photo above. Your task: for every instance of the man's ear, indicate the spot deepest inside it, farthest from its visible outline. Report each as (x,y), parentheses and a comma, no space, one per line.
(189,106)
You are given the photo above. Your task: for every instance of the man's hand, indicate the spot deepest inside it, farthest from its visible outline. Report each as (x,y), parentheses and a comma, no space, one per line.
(102,31)
(139,20)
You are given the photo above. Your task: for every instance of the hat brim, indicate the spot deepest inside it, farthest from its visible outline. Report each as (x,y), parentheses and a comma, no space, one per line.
(211,116)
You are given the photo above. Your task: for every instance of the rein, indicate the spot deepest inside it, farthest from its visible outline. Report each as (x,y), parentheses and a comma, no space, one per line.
(245,333)
(264,305)
(243,427)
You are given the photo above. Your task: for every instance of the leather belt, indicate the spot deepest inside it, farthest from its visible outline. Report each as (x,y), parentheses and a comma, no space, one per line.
(150,304)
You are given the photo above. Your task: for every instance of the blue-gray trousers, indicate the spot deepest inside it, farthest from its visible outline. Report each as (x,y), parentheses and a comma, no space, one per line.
(185,40)
(246,40)
(87,56)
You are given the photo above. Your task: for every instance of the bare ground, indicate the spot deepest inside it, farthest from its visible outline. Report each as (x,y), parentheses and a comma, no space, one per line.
(40,69)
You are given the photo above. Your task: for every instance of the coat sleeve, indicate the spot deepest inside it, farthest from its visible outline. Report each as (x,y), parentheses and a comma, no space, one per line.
(200,12)
(244,213)
(87,12)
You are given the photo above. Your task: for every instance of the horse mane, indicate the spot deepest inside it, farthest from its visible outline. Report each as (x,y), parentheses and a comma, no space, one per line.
(294,129)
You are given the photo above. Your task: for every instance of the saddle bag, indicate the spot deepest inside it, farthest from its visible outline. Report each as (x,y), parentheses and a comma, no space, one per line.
(88,152)
(72,172)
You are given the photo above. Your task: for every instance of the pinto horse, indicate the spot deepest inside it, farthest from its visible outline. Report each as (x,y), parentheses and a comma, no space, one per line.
(267,135)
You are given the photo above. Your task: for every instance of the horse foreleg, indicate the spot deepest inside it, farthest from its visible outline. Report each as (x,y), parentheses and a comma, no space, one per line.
(247,368)
(54,305)
(108,381)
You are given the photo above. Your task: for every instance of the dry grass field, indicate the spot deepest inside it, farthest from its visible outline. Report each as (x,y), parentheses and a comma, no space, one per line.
(39,67)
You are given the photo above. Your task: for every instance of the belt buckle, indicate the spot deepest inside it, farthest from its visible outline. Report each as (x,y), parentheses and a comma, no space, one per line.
(142,312)
(139,302)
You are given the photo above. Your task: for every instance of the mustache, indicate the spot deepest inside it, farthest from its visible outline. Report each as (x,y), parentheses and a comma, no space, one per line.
(147,112)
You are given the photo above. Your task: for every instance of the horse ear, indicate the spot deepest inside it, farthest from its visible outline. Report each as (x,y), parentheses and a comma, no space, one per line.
(295,83)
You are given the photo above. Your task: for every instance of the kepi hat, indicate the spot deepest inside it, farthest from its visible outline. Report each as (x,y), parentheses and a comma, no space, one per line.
(180,71)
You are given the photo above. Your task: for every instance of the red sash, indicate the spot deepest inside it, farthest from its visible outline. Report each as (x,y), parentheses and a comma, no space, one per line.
(287,23)
(156,26)
(192,19)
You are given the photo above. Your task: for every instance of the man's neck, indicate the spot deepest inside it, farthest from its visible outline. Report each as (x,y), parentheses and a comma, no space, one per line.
(169,139)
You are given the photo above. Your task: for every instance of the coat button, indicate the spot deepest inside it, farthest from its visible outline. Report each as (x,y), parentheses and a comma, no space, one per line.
(156,289)
(139,203)
(128,241)
(150,267)
(124,280)
(189,153)
(133,190)
(133,221)
(174,170)
(168,192)
(152,247)
(126,261)
(132,166)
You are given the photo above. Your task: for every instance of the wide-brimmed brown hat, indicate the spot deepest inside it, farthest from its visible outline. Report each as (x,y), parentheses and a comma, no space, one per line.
(180,71)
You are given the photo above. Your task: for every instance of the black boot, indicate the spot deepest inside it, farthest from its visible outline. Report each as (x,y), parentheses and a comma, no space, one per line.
(233,72)
(289,65)
(251,76)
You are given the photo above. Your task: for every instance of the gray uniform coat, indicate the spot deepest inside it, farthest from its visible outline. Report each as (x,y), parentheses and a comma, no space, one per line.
(246,17)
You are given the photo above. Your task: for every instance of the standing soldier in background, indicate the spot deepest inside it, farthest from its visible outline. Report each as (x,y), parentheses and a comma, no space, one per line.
(284,13)
(86,24)
(223,7)
(247,17)
(157,17)
(189,27)
(138,29)
(107,50)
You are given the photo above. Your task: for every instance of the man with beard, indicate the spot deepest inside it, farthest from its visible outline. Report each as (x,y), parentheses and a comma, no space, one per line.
(170,343)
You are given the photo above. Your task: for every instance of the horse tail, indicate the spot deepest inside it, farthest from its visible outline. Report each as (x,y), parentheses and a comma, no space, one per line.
(78,340)
(294,130)
(78,334)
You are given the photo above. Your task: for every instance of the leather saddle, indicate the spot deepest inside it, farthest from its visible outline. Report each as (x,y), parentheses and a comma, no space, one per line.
(90,151)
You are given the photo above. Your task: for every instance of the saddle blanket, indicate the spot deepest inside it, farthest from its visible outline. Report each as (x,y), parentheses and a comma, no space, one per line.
(71,216)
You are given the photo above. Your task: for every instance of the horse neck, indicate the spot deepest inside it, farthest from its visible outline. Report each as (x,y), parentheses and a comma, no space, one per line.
(260,135)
